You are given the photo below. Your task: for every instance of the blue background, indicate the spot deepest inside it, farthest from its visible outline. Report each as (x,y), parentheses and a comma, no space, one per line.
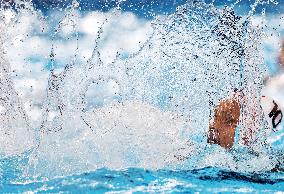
(147,8)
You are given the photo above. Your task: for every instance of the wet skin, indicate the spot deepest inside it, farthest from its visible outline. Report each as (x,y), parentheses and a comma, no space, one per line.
(226,119)
(281,55)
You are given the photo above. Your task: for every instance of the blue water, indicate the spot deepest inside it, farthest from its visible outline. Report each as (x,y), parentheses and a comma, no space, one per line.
(206,180)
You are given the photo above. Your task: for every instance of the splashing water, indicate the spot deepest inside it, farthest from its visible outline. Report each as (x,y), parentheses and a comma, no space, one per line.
(149,109)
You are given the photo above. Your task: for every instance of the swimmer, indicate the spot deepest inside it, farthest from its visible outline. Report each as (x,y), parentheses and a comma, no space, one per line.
(272,97)
(227,114)
(272,104)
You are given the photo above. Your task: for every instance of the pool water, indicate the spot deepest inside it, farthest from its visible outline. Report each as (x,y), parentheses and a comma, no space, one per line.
(136,180)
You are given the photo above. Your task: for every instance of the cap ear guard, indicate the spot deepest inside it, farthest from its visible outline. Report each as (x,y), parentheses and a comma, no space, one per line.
(212,136)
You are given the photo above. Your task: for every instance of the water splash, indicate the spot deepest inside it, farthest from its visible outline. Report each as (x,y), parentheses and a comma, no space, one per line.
(15,126)
(149,109)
